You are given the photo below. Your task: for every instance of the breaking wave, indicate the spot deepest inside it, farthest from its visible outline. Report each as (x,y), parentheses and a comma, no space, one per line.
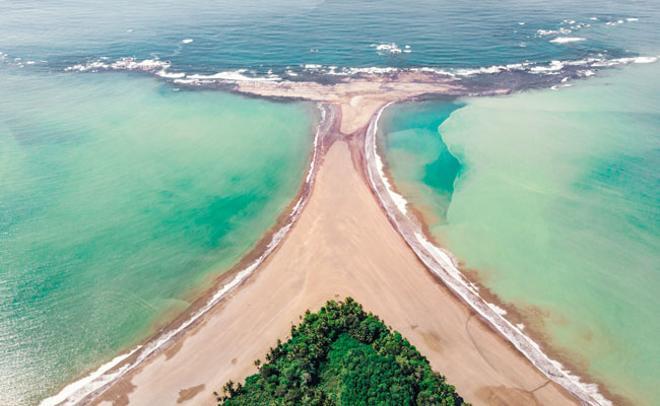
(567,40)
(391,48)
(523,74)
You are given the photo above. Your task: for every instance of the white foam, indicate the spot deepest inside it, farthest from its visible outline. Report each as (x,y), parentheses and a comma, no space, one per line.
(632,19)
(497,309)
(545,33)
(442,264)
(161,68)
(66,395)
(485,69)
(372,70)
(130,64)
(387,48)
(567,40)
(580,26)
(170,75)
(146,65)
(230,76)
(625,61)
(398,200)
(88,67)
(645,59)
(553,67)
(336,71)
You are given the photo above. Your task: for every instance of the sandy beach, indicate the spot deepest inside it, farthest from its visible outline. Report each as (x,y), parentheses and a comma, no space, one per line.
(342,245)
(180,184)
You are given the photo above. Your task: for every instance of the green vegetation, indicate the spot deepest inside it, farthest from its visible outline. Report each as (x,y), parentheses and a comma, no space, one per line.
(342,356)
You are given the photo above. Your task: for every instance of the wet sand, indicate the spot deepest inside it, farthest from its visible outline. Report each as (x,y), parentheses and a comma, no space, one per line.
(342,245)
(345,242)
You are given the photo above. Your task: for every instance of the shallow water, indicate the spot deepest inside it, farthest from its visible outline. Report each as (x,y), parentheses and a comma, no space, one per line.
(119,199)
(121,195)
(556,204)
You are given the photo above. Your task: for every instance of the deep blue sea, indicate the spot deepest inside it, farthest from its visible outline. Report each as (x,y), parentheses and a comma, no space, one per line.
(79,149)
(279,36)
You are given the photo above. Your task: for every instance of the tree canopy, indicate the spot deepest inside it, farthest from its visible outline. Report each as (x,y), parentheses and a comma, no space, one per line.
(342,355)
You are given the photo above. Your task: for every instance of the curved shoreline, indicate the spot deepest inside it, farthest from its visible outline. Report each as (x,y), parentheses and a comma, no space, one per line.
(356,97)
(443,265)
(90,386)
(517,76)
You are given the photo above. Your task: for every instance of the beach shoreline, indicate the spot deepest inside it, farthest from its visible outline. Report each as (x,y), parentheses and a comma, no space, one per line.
(91,382)
(355,111)
(488,306)
(519,317)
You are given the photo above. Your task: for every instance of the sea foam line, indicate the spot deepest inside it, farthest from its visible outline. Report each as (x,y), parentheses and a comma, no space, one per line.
(567,40)
(162,68)
(442,264)
(84,389)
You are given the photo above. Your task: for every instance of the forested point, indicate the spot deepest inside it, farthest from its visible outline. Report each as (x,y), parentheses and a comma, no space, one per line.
(342,356)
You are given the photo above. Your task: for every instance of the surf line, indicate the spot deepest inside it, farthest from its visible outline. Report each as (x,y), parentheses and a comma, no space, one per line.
(442,264)
(89,387)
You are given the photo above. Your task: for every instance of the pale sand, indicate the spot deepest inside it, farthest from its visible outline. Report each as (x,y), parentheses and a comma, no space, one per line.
(359,97)
(342,245)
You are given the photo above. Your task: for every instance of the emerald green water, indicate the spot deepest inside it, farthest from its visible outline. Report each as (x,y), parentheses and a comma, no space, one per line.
(423,166)
(556,202)
(119,199)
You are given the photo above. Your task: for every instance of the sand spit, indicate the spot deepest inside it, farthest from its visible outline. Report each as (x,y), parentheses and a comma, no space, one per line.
(342,245)
(87,388)
(345,242)
(442,264)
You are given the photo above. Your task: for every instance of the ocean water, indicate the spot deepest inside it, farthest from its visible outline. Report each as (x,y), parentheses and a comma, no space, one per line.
(122,194)
(553,197)
(120,199)
(201,36)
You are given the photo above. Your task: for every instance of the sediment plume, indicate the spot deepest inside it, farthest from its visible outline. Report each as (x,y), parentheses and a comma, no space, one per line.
(347,234)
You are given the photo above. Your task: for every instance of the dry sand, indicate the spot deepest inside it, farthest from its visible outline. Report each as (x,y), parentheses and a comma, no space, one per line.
(342,245)
(359,98)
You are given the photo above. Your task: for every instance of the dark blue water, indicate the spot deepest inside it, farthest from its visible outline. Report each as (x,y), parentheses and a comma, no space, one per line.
(287,35)
(282,38)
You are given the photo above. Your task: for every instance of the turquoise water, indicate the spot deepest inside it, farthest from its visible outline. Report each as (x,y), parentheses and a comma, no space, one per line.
(119,200)
(425,169)
(555,202)
(120,195)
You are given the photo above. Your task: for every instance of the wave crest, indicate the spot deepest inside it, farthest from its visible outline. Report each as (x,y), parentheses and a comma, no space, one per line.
(518,75)
(567,40)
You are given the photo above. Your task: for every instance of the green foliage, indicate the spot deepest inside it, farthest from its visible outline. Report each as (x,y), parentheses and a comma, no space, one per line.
(342,356)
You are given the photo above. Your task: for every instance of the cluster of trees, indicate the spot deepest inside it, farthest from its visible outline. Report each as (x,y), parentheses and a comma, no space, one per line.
(342,356)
